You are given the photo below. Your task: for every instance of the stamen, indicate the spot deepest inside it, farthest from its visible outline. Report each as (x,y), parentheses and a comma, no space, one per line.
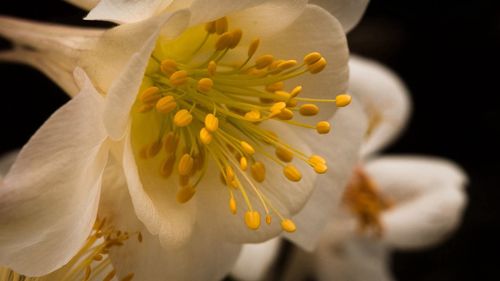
(221,25)
(185,164)
(185,193)
(292,173)
(183,118)
(323,127)
(178,78)
(205,85)
(252,219)
(288,225)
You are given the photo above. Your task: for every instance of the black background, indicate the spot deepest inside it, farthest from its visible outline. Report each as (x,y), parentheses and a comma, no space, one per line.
(447,53)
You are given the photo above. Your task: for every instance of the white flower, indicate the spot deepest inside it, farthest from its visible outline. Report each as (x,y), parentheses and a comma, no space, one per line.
(392,202)
(100,153)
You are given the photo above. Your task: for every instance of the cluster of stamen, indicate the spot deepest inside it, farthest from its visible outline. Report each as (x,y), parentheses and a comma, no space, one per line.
(363,198)
(210,107)
(91,263)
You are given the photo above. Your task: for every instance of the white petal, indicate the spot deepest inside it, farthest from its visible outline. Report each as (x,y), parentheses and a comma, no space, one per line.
(255,260)
(314,30)
(52,49)
(84,4)
(49,198)
(429,198)
(340,149)
(6,161)
(204,257)
(121,11)
(155,202)
(348,12)
(207,10)
(354,259)
(118,61)
(268,18)
(385,99)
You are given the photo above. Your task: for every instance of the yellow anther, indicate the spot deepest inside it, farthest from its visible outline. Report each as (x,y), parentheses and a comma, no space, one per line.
(183,118)
(311,58)
(268,219)
(167,167)
(252,219)
(253,116)
(316,159)
(229,175)
(320,168)
(221,25)
(179,77)
(292,173)
(323,127)
(253,47)
(309,109)
(296,91)
(185,164)
(150,95)
(205,136)
(168,66)
(284,154)
(154,149)
(292,103)
(210,27)
(247,148)
(343,100)
(287,64)
(145,108)
(243,163)
(288,225)
(166,105)
(282,95)
(263,61)
(232,206)
(205,85)
(212,68)
(318,66)
(277,108)
(235,38)
(170,142)
(258,170)
(278,86)
(274,64)
(285,114)
(211,122)
(185,193)
(223,42)
(183,180)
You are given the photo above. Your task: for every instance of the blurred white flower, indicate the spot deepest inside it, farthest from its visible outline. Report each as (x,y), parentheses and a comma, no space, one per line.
(161,107)
(392,202)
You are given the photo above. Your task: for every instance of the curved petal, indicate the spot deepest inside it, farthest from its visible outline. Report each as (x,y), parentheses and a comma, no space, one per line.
(121,11)
(429,198)
(314,30)
(84,4)
(155,204)
(118,61)
(354,259)
(255,260)
(6,161)
(385,99)
(52,49)
(49,198)
(348,12)
(341,152)
(204,257)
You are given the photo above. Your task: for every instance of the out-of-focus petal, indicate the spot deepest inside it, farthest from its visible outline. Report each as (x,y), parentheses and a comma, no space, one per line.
(84,4)
(341,151)
(428,194)
(255,260)
(49,197)
(348,12)
(6,161)
(385,99)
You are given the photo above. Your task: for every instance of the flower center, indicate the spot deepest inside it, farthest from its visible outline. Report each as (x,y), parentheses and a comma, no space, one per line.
(91,263)
(362,197)
(204,102)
